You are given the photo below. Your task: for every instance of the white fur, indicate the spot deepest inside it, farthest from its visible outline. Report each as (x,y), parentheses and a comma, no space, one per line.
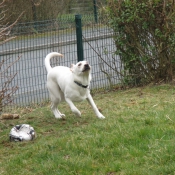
(61,85)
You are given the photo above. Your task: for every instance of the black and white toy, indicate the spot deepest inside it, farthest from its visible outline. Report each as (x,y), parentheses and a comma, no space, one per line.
(22,132)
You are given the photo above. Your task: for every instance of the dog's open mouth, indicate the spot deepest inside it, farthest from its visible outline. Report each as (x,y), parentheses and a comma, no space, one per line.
(86,68)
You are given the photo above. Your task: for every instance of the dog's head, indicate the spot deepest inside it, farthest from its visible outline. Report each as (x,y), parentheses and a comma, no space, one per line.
(81,67)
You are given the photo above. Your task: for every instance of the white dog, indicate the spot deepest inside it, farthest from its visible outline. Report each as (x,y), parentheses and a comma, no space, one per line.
(69,84)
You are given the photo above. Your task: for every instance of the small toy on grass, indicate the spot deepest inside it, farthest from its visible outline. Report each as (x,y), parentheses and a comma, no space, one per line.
(22,132)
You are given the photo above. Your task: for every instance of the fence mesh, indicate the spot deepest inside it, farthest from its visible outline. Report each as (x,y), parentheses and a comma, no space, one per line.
(35,40)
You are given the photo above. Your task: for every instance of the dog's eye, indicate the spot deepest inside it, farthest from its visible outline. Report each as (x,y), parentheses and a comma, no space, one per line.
(79,64)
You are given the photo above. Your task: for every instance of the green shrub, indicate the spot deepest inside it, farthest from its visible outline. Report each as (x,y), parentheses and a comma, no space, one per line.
(144,34)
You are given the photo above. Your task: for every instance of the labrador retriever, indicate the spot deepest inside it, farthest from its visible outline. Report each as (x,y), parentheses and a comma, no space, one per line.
(70,85)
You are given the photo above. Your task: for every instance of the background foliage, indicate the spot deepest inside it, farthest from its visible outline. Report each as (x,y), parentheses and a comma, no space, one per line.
(144,38)
(37,10)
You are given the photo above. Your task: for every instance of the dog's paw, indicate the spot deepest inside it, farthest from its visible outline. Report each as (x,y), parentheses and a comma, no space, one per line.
(77,113)
(59,116)
(101,116)
(63,115)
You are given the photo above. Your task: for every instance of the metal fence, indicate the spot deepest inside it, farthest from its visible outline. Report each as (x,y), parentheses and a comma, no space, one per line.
(35,40)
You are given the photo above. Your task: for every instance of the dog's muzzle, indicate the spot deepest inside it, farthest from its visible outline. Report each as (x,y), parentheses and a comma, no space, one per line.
(86,68)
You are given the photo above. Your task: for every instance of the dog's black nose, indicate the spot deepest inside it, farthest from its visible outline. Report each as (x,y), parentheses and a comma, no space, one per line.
(86,66)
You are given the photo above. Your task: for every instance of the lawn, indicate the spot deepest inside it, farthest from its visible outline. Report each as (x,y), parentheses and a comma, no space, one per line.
(136,138)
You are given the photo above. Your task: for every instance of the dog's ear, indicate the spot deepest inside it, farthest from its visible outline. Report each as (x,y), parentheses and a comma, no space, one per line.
(72,67)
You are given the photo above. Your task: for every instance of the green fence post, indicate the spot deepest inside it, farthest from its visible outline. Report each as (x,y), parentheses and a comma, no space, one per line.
(34,15)
(80,53)
(95,10)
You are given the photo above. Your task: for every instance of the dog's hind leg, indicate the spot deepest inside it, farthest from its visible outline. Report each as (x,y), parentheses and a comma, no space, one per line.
(56,112)
(55,97)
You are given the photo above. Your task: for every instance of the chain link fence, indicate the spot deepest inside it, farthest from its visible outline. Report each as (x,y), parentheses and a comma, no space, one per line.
(36,39)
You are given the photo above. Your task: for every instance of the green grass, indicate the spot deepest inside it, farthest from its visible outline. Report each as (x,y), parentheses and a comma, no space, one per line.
(137,137)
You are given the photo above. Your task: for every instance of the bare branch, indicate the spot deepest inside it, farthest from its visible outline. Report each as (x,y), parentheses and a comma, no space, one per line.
(6,91)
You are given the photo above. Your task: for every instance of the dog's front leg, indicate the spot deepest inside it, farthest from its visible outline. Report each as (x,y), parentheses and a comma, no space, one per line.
(72,107)
(91,102)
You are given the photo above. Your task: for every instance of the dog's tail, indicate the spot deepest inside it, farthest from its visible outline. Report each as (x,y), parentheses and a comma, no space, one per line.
(48,57)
